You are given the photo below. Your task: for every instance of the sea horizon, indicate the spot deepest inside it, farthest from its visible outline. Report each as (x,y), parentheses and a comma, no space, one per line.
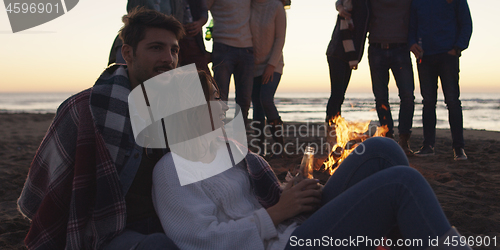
(481,110)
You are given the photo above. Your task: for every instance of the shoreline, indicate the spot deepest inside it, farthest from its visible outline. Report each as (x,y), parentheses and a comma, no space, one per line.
(469,191)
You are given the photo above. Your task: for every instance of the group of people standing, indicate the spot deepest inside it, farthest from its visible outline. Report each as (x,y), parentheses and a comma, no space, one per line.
(435,31)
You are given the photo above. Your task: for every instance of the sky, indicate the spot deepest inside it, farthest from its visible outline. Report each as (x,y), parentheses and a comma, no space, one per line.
(67,54)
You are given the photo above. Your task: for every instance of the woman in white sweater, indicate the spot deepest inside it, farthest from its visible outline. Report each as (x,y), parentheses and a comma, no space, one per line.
(372,192)
(268,26)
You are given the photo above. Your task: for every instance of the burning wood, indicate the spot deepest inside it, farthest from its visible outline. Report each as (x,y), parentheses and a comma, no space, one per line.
(345,137)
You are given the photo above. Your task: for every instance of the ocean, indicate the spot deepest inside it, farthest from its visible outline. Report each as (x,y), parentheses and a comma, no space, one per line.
(481,111)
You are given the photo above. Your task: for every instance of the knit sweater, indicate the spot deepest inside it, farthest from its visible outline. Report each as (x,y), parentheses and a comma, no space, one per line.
(231,22)
(220,212)
(389,21)
(268,26)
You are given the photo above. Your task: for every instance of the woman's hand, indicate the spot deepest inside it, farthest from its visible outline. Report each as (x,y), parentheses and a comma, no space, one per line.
(268,74)
(295,199)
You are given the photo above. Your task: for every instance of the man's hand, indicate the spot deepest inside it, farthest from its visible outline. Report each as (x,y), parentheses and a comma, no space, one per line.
(453,52)
(343,13)
(268,74)
(417,50)
(194,28)
(296,199)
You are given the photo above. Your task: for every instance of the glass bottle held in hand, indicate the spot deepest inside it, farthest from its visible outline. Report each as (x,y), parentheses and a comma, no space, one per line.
(306,165)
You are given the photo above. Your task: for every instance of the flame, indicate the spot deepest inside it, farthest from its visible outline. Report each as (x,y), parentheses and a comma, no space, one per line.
(345,132)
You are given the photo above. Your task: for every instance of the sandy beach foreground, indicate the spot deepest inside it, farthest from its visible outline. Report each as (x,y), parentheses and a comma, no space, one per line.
(469,191)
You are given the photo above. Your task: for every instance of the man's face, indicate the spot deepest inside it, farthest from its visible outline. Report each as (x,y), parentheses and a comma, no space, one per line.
(156,53)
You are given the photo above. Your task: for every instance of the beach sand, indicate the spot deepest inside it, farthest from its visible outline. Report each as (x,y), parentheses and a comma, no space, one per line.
(469,191)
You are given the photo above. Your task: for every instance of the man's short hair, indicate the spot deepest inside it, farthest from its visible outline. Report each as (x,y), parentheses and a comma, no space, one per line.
(139,19)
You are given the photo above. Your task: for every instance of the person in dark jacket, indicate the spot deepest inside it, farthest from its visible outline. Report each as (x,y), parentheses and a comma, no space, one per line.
(342,60)
(192,45)
(439,31)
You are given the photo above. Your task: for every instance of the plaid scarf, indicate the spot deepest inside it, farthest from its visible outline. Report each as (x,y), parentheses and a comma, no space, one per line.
(346,27)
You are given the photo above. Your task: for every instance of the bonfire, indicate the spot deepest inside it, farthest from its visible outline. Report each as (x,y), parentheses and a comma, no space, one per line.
(344,136)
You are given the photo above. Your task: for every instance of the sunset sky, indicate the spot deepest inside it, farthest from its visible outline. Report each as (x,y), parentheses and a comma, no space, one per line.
(68,54)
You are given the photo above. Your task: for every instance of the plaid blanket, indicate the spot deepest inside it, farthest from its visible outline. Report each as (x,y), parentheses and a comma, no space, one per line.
(73,194)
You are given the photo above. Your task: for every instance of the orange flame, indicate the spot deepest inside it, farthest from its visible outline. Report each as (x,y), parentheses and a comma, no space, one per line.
(345,132)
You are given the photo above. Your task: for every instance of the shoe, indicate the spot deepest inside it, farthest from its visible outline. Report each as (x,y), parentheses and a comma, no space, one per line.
(260,136)
(404,143)
(426,150)
(459,154)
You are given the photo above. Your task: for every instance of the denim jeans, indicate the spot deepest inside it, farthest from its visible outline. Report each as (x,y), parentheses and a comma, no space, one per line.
(399,62)
(142,235)
(446,67)
(373,192)
(340,74)
(228,60)
(263,98)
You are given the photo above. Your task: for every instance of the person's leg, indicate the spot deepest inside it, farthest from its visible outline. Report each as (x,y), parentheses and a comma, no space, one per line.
(340,74)
(142,235)
(370,209)
(259,118)
(243,80)
(451,90)
(379,70)
(223,67)
(403,74)
(130,239)
(428,76)
(369,157)
(267,92)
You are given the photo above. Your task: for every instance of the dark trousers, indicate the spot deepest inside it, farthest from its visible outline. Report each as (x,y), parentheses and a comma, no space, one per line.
(446,67)
(399,62)
(340,74)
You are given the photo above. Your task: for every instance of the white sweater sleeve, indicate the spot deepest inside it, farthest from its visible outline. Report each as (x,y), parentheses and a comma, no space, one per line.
(279,37)
(189,216)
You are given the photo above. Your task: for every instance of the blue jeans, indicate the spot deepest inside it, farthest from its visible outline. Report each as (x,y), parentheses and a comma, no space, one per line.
(228,60)
(399,62)
(340,74)
(145,234)
(446,67)
(263,98)
(373,192)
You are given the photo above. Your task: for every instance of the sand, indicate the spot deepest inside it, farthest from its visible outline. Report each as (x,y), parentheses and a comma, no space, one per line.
(469,191)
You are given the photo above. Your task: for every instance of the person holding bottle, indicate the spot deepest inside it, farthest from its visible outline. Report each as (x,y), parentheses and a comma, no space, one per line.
(244,207)
(268,26)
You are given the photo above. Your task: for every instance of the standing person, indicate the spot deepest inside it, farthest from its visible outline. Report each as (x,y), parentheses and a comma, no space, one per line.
(192,45)
(89,185)
(344,53)
(268,26)
(232,52)
(389,50)
(443,28)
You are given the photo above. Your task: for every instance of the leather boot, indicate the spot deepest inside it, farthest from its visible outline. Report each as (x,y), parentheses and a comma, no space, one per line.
(259,136)
(404,142)
(445,241)
(278,136)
